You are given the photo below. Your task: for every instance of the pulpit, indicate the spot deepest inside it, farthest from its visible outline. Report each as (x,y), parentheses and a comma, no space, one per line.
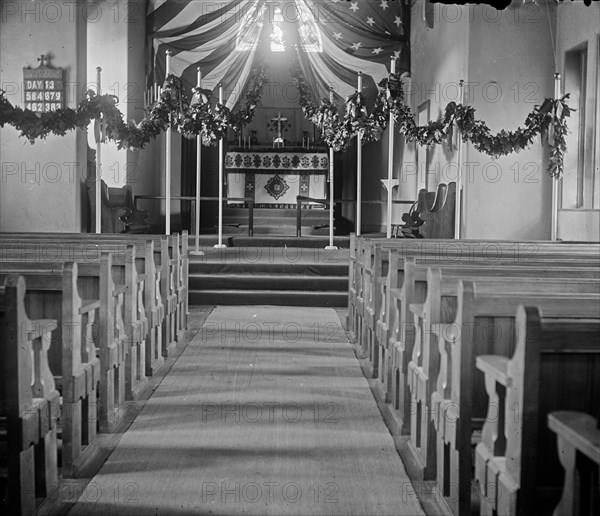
(273,177)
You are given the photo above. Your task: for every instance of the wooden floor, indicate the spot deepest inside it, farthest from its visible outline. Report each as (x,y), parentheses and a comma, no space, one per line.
(265,412)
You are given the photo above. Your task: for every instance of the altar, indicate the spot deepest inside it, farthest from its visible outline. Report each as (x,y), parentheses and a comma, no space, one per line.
(273,177)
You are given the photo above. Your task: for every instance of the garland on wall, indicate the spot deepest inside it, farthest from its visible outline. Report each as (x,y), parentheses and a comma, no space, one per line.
(171,109)
(547,120)
(337,130)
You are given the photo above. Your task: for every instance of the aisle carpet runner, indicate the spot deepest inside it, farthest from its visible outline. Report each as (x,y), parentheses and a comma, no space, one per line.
(265,412)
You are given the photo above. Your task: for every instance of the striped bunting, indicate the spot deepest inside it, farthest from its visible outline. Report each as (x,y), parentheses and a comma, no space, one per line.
(336,38)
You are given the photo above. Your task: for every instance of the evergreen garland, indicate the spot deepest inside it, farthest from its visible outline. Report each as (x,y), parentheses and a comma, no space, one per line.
(198,118)
(171,109)
(548,120)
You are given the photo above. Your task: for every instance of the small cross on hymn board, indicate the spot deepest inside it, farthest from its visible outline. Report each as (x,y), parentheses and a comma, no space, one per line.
(42,59)
(279,120)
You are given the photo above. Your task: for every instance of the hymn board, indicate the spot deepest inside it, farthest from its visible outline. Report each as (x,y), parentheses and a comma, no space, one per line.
(43,87)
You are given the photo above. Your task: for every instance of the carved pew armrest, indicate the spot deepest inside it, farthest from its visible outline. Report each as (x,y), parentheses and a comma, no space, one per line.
(446,331)
(119,289)
(418,309)
(490,452)
(579,430)
(494,367)
(39,327)
(89,306)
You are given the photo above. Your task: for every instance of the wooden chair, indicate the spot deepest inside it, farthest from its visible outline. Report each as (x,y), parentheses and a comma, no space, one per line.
(118,214)
(436,209)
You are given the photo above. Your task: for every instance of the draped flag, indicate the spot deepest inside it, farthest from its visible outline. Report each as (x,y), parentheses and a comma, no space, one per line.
(335,39)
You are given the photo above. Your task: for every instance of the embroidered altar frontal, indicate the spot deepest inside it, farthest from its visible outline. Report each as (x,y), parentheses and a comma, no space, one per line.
(274,177)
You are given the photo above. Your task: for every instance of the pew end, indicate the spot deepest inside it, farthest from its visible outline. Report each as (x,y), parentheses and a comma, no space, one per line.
(578,443)
(516,462)
(29,402)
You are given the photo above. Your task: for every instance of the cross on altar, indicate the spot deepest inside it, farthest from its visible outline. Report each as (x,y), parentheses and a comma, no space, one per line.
(279,120)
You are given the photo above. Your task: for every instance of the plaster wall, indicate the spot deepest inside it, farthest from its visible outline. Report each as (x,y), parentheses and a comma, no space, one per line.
(42,185)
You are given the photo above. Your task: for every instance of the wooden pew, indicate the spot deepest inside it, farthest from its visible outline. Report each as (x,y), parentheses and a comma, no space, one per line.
(377,304)
(423,288)
(135,322)
(378,254)
(371,308)
(171,260)
(81,369)
(443,249)
(78,369)
(373,256)
(139,260)
(405,344)
(555,366)
(29,401)
(578,446)
(382,280)
(445,393)
(120,376)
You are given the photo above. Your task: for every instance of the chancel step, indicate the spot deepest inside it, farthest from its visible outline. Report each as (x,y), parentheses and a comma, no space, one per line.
(270,276)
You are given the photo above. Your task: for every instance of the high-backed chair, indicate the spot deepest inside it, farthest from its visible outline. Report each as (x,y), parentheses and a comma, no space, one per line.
(118,211)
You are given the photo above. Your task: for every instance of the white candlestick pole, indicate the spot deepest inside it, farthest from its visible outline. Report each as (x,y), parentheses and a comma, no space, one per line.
(459,188)
(99,162)
(390,165)
(220,245)
(359,168)
(198,175)
(168,163)
(555,180)
(331,246)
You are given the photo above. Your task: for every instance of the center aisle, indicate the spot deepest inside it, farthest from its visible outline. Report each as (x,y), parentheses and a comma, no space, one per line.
(265,412)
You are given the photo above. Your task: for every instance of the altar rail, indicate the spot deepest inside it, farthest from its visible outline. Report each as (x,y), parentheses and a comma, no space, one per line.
(301,199)
(191,199)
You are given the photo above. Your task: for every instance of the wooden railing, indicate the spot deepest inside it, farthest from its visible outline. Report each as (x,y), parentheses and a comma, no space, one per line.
(301,199)
(248,200)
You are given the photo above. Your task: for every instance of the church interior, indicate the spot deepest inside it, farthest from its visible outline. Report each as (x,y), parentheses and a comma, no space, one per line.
(299,257)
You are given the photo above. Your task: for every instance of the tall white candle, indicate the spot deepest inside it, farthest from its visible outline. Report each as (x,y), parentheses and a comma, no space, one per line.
(98,162)
(390,165)
(359,168)
(198,172)
(168,164)
(555,180)
(220,245)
